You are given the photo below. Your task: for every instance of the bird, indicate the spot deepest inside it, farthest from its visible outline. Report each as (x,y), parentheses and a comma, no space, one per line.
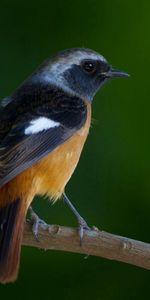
(44,125)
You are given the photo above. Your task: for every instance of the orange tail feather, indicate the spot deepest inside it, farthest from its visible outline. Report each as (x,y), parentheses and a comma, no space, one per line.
(12,217)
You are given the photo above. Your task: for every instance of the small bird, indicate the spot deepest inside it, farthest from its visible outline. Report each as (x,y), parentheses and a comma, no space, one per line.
(44,125)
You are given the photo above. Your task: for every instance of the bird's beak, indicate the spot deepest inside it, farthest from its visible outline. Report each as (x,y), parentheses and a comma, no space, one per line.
(116,73)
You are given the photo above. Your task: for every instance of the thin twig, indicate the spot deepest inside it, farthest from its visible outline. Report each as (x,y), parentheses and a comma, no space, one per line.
(95,242)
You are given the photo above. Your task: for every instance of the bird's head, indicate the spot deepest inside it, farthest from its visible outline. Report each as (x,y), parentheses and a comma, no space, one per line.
(78,71)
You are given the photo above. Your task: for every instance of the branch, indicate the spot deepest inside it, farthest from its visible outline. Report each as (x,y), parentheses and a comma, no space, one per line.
(95,242)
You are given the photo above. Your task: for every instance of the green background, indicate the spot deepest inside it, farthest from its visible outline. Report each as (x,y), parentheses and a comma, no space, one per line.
(111,186)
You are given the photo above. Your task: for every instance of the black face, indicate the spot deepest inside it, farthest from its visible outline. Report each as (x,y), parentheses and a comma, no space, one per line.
(87,77)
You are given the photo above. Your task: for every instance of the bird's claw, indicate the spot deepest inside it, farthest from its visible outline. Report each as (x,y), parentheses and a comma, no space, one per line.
(82,227)
(36,221)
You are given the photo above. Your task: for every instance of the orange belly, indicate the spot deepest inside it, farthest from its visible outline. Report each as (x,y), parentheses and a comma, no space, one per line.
(50,175)
(54,171)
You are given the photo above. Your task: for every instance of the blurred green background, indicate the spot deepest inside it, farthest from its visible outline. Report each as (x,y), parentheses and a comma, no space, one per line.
(111,186)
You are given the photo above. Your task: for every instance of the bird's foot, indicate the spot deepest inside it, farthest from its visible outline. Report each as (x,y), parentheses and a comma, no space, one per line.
(36,221)
(82,227)
(82,223)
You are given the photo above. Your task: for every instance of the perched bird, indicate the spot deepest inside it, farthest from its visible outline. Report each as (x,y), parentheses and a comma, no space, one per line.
(43,127)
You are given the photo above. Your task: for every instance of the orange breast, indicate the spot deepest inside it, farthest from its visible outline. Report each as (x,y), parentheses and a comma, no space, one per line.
(50,174)
(54,171)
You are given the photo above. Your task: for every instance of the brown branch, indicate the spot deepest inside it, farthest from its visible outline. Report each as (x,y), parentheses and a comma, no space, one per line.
(95,242)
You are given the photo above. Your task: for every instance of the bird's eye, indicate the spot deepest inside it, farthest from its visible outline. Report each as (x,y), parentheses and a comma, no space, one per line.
(89,66)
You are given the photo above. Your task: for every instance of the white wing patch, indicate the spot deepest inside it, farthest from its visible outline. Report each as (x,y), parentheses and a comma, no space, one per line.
(40,124)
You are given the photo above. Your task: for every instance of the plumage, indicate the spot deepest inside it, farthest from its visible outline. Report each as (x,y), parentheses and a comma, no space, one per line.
(19,150)
(12,217)
(40,124)
(44,125)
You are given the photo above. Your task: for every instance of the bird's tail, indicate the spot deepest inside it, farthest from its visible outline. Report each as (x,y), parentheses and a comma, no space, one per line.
(12,217)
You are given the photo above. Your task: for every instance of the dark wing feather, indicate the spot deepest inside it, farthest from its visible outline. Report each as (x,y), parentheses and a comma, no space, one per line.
(29,151)
(19,151)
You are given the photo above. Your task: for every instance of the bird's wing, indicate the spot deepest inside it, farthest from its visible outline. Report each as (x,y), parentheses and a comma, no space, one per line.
(34,134)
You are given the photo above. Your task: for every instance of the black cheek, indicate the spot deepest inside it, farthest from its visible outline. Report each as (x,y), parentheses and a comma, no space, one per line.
(78,81)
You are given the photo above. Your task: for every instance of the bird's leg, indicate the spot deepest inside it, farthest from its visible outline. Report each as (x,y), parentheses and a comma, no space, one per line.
(36,221)
(82,223)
